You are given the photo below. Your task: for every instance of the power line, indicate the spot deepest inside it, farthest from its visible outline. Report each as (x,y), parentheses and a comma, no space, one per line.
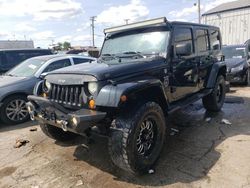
(92,19)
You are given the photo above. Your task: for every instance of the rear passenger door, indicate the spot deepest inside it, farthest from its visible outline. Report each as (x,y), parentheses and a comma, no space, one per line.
(184,68)
(203,53)
(208,48)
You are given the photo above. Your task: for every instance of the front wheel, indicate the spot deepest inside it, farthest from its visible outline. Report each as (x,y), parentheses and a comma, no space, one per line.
(215,100)
(13,110)
(136,144)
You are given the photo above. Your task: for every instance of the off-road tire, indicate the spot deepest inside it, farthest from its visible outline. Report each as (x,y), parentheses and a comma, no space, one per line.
(212,102)
(6,102)
(57,133)
(122,143)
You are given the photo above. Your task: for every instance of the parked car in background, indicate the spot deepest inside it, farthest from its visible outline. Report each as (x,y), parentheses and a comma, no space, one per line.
(12,57)
(19,82)
(237,61)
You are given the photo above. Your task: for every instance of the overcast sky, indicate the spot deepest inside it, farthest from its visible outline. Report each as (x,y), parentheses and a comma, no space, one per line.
(68,20)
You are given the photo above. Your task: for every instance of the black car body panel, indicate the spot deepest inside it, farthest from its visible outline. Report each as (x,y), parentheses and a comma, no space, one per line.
(12,57)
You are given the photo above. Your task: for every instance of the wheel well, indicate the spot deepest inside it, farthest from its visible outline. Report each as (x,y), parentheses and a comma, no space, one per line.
(154,94)
(14,94)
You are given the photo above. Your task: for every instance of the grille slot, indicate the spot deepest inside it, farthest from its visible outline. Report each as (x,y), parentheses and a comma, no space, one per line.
(67,95)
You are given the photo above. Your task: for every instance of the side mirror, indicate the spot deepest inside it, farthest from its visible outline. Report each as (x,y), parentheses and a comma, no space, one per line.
(42,76)
(183,49)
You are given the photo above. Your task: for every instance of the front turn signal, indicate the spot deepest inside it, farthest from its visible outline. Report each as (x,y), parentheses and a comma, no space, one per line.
(45,95)
(123,98)
(91,104)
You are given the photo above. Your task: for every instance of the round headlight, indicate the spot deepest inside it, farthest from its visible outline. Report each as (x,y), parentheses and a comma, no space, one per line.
(47,86)
(92,87)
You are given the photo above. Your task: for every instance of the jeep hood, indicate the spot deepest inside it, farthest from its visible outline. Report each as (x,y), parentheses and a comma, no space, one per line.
(103,71)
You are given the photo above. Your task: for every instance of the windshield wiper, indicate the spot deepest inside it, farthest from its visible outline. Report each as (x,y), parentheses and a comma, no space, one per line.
(134,53)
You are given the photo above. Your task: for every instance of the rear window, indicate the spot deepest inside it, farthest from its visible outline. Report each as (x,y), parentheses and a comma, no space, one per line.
(215,40)
(80,60)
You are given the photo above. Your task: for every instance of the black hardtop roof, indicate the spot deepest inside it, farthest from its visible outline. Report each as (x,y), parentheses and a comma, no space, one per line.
(192,24)
(164,24)
(26,49)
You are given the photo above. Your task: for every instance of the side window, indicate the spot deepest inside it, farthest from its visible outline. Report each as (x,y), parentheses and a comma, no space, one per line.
(183,36)
(215,40)
(202,40)
(57,65)
(80,60)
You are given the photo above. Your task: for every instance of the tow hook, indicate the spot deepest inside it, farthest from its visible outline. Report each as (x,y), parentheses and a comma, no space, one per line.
(63,124)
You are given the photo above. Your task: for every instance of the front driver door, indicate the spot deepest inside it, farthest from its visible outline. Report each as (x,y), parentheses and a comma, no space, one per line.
(184,68)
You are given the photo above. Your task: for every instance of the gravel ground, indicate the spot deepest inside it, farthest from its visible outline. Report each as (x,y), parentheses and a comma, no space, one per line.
(202,154)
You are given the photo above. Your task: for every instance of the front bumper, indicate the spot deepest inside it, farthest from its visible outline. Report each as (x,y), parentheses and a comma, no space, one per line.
(47,112)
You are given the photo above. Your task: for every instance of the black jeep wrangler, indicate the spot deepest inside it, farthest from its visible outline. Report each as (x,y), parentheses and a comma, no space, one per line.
(145,71)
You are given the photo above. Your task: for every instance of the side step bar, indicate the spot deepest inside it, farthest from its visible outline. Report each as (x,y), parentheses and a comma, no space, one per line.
(188,100)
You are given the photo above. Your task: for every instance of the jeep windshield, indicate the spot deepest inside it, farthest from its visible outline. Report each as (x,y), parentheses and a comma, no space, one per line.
(139,44)
(27,68)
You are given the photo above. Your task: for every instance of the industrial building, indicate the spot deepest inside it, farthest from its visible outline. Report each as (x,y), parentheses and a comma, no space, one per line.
(233,18)
(16,44)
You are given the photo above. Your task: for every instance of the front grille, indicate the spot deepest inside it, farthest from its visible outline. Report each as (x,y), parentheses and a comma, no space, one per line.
(67,95)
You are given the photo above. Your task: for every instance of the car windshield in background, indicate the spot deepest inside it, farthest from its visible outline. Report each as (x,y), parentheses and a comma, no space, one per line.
(234,52)
(143,43)
(27,68)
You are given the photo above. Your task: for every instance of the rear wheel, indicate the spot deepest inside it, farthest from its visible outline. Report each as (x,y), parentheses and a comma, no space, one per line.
(13,110)
(215,100)
(136,144)
(57,133)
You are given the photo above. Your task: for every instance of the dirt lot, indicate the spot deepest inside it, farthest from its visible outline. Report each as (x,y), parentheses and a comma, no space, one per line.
(201,154)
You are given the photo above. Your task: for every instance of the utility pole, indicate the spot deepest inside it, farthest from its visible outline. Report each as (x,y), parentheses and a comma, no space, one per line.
(92,19)
(126,21)
(199,10)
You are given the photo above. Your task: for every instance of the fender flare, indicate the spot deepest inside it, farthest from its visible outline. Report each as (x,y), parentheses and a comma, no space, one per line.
(109,95)
(215,70)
